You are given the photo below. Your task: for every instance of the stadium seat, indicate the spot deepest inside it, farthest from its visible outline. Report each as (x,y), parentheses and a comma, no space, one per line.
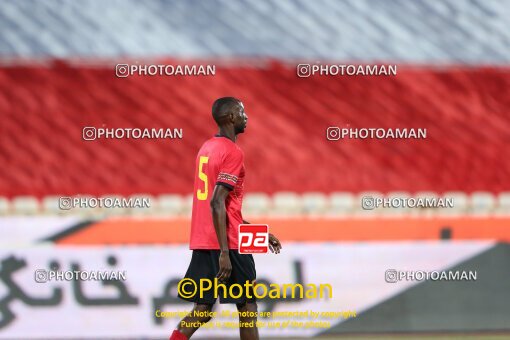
(341,203)
(482,203)
(112,211)
(314,203)
(50,205)
(280,204)
(172,163)
(170,204)
(285,204)
(142,211)
(364,204)
(503,205)
(4,206)
(25,205)
(460,203)
(90,211)
(425,211)
(397,210)
(188,204)
(256,204)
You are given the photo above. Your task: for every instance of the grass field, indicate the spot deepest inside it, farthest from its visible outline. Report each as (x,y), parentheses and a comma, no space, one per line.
(410,336)
(421,337)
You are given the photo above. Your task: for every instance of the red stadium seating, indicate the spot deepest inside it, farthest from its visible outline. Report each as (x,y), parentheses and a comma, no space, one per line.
(463,109)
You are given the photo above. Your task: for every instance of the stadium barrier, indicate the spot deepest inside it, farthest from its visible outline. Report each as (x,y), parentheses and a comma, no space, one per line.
(65,305)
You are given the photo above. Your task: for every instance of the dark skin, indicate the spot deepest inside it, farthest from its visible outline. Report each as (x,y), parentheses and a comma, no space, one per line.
(233,124)
(230,125)
(219,213)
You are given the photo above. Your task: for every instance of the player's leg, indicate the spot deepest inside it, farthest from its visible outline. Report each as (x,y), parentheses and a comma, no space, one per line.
(198,269)
(248,333)
(243,271)
(190,323)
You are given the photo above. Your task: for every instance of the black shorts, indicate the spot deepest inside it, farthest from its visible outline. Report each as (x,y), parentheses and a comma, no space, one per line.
(205,265)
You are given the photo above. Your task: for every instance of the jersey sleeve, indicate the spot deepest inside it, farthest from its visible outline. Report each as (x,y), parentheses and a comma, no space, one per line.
(230,169)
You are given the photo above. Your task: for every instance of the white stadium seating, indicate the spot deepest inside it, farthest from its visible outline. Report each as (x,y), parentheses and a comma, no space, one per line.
(314,203)
(342,203)
(482,203)
(25,205)
(460,203)
(4,206)
(256,204)
(280,204)
(503,205)
(170,204)
(286,203)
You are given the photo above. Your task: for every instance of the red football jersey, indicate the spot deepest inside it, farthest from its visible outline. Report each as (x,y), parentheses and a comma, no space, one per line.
(219,161)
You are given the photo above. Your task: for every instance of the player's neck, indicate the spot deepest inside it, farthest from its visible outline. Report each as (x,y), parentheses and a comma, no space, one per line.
(228,134)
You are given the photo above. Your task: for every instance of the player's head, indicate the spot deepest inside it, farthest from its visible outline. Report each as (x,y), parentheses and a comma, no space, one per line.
(229,111)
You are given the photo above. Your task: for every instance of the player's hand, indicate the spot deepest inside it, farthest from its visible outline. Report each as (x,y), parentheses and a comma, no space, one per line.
(225,267)
(274,244)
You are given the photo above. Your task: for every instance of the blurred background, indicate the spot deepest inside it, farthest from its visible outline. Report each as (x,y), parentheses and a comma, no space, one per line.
(57,76)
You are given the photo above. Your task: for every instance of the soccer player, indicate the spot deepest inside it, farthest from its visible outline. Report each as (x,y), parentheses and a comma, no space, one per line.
(216,215)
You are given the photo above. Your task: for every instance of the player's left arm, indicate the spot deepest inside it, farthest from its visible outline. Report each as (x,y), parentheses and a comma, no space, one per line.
(274,242)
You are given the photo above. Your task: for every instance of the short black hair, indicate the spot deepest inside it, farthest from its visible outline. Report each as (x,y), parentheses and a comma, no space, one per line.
(223,106)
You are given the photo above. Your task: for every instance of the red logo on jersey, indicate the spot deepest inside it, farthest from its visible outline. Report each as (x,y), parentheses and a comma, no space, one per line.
(253,238)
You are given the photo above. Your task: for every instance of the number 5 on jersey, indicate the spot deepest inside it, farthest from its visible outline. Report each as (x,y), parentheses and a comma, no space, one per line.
(202,195)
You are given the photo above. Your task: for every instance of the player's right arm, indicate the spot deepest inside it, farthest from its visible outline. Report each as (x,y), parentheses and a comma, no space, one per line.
(219,216)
